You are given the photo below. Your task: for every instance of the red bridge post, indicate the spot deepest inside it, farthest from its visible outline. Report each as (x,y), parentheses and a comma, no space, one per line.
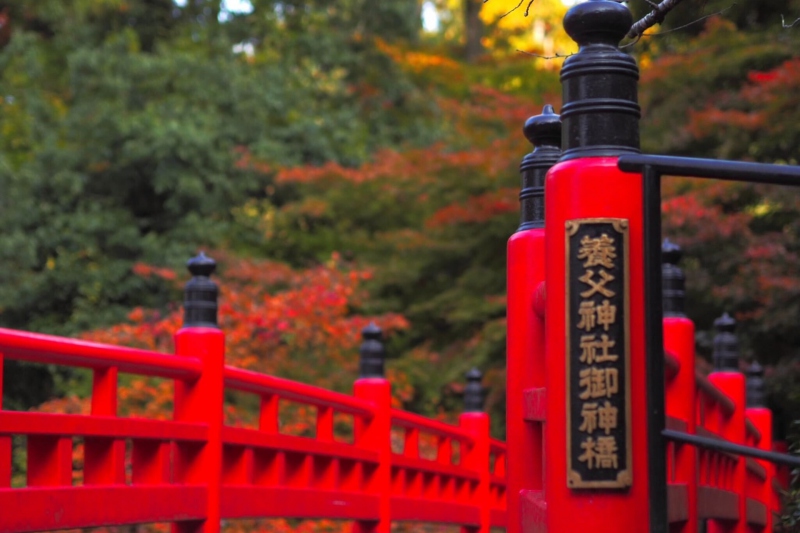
(525,381)
(201,401)
(598,471)
(476,457)
(5,442)
(727,378)
(681,391)
(375,433)
(762,420)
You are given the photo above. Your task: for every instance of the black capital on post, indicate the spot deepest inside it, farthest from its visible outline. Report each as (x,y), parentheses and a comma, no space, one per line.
(756,389)
(726,346)
(599,84)
(544,133)
(673,280)
(473,392)
(372,352)
(200,294)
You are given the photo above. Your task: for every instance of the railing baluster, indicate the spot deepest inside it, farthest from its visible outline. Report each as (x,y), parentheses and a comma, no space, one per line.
(324,424)
(103,457)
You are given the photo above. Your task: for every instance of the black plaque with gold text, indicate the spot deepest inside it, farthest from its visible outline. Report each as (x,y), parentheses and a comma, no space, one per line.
(598,354)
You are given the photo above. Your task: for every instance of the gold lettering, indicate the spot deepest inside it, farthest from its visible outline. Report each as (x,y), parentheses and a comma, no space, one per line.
(589,414)
(597,286)
(606,314)
(598,382)
(590,450)
(606,417)
(601,453)
(590,345)
(586,310)
(606,452)
(597,252)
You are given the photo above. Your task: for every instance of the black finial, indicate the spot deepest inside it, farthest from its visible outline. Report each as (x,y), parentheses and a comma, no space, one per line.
(756,390)
(544,133)
(600,112)
(726,347)
(200,294)
(473,392)
(673,280)
(372,352)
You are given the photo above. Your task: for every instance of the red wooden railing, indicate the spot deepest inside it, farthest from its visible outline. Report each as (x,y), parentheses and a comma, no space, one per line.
(732,492)
(194,470)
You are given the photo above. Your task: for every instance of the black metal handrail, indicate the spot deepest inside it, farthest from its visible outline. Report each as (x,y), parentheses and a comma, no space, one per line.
(652,168)
(729,447)
(713,168)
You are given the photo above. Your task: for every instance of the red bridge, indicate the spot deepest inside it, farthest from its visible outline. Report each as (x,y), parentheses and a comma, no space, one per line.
(610,427)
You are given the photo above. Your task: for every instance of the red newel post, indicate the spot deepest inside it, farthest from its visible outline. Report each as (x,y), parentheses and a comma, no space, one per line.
(730,380)
(680,391)
(5,443)
(525,382)
(202,400)
(597,450)
(375,434)
(761,418)
(476,456)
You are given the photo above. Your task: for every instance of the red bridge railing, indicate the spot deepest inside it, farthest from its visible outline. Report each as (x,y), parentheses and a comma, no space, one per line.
(729,491)
(194,471)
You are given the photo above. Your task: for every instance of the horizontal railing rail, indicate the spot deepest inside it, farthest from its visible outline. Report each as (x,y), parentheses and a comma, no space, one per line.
(48,349)
(197,469)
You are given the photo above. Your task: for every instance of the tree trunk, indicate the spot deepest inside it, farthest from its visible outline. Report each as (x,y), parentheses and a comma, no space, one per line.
(473,29)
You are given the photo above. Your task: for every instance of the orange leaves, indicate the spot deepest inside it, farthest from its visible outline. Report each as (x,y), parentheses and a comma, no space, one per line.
(292,323)
(477,209)
(145,271)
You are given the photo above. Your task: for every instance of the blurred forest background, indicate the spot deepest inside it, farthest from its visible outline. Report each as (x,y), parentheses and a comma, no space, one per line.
(354,160)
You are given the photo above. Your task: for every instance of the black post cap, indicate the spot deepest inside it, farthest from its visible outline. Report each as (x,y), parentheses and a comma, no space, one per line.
(473,392)
(200,293)
(599,83)
(726,346)
(372,352)
(756,389)
(673,280)
(544,133)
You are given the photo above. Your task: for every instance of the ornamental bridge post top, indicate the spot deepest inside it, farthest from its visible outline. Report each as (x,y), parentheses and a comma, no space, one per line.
(200,293)
(544,133)
(601,113)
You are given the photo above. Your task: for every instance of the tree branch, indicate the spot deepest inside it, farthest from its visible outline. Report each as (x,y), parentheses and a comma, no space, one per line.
(656,16)
(787,26)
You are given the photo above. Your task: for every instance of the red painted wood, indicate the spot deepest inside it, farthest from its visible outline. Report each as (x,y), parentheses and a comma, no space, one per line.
(201,402)
(732,428)
(475,457)
(761,489)
(53,350)
(49,461)
(426,510)
(104,458)
(42,509)
(405,419)
(289,443)
(5,441)
(586,188)
(525,373)
(680,389)
(262,384)
(373,434)
(297,502)
(16,422)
